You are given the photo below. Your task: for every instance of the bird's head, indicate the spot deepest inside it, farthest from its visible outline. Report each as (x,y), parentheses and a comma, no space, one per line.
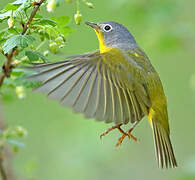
(111,34)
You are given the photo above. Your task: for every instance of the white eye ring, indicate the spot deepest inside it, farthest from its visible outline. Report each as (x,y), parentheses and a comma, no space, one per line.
(107,27)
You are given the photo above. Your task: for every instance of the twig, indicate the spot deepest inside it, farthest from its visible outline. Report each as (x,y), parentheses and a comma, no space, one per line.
(36,7)
(3,173)
(2,169)
(7,67)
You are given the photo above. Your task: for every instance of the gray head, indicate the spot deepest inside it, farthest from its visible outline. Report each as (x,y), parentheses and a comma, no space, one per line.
(112,34)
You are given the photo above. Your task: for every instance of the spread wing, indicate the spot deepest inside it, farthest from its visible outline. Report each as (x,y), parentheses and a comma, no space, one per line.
(87,85)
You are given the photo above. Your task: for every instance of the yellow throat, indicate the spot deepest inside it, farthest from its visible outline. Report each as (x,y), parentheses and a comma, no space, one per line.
(102,46)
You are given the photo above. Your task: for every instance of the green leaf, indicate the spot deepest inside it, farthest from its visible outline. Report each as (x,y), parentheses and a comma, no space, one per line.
(52,32)
(2,34)
(38,16)
(24,5)
(35,56)
(62,20)
(17,72)
(10,43)
(32,56)
(17,40)
(17,6)
(13,30)
(25,40)
(9,7)
(45,21)
(5,15)
(66,30)
(20,1)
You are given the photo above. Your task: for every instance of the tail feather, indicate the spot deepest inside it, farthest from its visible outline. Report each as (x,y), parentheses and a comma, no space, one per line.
(164,150)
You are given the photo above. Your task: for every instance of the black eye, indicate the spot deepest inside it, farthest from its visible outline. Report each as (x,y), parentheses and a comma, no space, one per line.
(107,27)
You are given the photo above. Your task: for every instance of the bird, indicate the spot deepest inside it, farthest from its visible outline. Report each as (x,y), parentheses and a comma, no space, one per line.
(115,84)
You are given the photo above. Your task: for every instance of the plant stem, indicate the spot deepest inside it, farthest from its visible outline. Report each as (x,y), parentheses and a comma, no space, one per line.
(7,67)
(40,45)
(2,169)
(77,5)
(3,172)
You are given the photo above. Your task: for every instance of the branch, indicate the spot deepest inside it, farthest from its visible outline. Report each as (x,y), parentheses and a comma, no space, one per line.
(36,7)
(6,170)
(3,173)
(7,67)
(2,169)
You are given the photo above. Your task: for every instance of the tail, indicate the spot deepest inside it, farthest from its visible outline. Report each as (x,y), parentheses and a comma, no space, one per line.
(164,150)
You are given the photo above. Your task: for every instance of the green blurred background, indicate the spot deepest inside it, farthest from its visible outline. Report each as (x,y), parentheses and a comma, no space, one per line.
(63,145)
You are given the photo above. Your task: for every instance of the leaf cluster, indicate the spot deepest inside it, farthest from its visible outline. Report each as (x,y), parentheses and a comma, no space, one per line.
(11,136)
(43,35)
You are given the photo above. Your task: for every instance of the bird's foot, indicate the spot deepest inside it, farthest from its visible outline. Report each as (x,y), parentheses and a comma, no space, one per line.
(131,136)
(128,134)
(118,126)
(124,134)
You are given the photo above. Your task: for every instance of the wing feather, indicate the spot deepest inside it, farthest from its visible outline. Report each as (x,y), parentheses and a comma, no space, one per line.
(128,111)
(72,86)
(100,103)
(89,109)
(89,86)
(112,95)
(81,90)
(79,105)
(109,111)
(117,95)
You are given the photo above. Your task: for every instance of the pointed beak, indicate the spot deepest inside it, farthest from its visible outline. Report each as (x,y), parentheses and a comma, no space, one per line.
(93,25)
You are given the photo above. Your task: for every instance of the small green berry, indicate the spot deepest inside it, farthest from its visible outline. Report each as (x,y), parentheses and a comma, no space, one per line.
(51,6)
(21,132)
(20,92)
(59,40)
(46,53)
(78,18)
(89,5)
(53,47)
(11,22)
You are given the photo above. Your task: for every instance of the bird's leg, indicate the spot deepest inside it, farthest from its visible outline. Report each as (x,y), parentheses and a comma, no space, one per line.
(120,140)
(130,130)
(118,126)
(128,133)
